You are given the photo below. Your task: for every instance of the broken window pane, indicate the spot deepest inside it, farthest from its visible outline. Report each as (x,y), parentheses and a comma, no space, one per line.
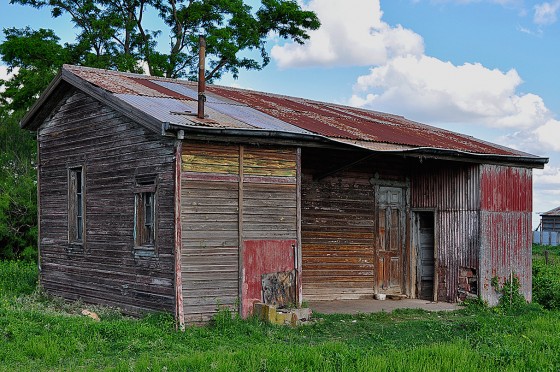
(75,205)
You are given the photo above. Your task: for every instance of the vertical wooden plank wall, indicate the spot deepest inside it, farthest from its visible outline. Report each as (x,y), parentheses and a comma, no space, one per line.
(506,207)
(453,191)
(234,194)
(112,150)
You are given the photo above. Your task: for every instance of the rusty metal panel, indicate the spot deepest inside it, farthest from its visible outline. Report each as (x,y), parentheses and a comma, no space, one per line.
(262,257)
(115,82)
(457,244)
(506,188)
(506,228)
(243,109)
(446,186)
(357,124)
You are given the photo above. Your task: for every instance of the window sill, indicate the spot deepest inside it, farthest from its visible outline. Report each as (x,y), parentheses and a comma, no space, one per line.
(144,251)
(75,247)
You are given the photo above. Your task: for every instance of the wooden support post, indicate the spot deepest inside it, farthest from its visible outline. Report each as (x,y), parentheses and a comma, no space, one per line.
(180,314)
(39,208)
(298,252)
(240,229)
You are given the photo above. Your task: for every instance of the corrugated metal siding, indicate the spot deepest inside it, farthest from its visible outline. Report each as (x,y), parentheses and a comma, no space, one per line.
(505,227)
(454,192)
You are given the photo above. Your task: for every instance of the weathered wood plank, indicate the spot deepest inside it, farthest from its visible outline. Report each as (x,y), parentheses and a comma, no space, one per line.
(83,129)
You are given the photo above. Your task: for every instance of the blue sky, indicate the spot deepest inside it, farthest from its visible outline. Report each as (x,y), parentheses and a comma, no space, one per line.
(487,68)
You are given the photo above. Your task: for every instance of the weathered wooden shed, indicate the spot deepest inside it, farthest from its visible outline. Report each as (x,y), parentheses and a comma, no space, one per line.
(550,221)
(144,205)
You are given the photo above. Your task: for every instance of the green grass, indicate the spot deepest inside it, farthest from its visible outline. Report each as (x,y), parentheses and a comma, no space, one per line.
(546,276)
(42,333)
(17,278)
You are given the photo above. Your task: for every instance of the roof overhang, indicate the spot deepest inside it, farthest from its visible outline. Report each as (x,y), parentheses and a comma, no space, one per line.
(315,140)
(59,86)
(66,80)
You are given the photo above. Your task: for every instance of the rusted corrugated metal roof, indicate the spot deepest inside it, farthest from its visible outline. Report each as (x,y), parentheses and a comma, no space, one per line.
(552,212)
(234,108)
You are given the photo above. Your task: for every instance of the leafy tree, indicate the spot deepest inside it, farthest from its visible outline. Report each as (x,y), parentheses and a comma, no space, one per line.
(116,32)
(18,207)
(36,56)
(112,34)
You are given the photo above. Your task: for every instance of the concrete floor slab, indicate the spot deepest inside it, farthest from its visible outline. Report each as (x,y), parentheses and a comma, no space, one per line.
(375,306)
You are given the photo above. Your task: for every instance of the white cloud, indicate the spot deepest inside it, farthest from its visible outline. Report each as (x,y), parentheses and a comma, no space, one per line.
(5,74)
(405,81)
(549,134)
(350,34)
(549,176)
(541,140)
(546,13)
(432,90)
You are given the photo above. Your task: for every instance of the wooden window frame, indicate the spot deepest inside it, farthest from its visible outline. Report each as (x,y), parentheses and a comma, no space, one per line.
(145,216)
(76,207)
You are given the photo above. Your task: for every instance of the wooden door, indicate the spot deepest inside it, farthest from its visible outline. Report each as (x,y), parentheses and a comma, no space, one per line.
(391,234)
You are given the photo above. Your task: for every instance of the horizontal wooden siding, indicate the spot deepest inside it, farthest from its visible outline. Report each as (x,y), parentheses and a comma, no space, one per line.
(112,150)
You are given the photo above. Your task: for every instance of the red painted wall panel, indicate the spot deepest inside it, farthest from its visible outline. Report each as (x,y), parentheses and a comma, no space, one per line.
(263,257)
(506,189)
(506,207)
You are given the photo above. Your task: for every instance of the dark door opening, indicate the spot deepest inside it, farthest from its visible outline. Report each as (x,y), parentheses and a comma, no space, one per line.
(424,234)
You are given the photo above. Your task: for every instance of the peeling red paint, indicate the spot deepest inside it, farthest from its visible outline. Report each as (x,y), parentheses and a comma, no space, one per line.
(263,257)
(506,205)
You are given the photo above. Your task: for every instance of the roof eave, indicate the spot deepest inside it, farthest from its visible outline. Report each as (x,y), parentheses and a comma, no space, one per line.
(30,121)
(515,160)
(419,152)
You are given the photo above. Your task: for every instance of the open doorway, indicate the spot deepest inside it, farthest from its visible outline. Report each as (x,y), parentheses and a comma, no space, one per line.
(425,244)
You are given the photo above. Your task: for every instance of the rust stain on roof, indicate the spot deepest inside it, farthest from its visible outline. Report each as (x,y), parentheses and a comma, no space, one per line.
(295,115)
(357,124)
(552,212)
(161,89)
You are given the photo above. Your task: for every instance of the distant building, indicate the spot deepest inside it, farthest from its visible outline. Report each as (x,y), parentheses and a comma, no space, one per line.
(548,231)
(146,204)
(550,221)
